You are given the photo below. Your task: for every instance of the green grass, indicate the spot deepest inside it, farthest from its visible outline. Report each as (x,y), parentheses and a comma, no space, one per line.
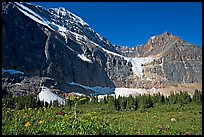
(100,118)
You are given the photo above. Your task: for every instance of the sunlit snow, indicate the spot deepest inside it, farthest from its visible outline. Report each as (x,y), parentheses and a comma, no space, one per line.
(34,16)
(64,12)
(137,64)
(153,37)
(84,58)
(46,95)
(104,91)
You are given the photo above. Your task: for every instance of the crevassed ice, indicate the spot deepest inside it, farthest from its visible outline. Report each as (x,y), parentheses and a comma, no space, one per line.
(137,64)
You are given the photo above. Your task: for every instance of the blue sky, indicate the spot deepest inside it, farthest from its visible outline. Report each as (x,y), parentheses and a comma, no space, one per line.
(133,23)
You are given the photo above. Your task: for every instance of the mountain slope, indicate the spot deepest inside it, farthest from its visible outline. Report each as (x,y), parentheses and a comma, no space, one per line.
(56,44)
(175,59)
(46,51)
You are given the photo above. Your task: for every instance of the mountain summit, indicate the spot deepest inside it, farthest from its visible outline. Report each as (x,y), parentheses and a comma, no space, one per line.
(56,48)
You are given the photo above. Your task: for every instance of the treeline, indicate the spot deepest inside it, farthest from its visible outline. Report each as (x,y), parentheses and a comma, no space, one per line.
(31,101)
(21,102)
(147,101)
(121,103)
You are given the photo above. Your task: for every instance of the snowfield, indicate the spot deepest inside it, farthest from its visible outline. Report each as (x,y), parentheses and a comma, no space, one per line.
(124,92)
(47,95)
(97,89)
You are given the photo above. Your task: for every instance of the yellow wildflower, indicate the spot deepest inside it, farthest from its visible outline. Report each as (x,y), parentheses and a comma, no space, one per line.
(94,112)
(27,124)
(44,108)
(88,114)
(38,112)
(40,122)
(29,109)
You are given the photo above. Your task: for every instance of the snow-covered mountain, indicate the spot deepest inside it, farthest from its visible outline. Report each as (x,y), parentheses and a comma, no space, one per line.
(57,48)
(64,22)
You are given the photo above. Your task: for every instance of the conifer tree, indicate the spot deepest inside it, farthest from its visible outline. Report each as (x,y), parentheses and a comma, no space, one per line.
(130,102)
(124,103)
(136,104)
(46,104)
(55,103)
(197,97)
(105,99)
(149,102)
(50,105)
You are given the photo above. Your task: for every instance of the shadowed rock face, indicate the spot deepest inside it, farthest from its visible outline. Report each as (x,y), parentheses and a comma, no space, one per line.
(80,55)
(35,50)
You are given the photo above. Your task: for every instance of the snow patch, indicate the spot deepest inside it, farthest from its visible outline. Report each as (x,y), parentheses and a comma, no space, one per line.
(64,35)
(97,89)
(125,92)
(64,12)
(34,16)
(78,19)
(78,36)
(162,65)
(149,79)
(107,51)
(11,71)
(137,64)
(48,96)
(153,37)
(53,25)
(184,65)
(84,58)
(79,94)
(61,28)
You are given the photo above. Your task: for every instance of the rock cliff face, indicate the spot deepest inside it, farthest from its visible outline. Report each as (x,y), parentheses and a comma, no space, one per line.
(37,50)
(58,46)
(176,61)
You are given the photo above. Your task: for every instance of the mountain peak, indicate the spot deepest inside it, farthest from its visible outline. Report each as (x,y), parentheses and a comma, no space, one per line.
(166,33)
(62,8)
(162,37)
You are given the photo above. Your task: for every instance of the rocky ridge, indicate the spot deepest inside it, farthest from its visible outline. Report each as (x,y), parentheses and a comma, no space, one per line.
(54,47)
